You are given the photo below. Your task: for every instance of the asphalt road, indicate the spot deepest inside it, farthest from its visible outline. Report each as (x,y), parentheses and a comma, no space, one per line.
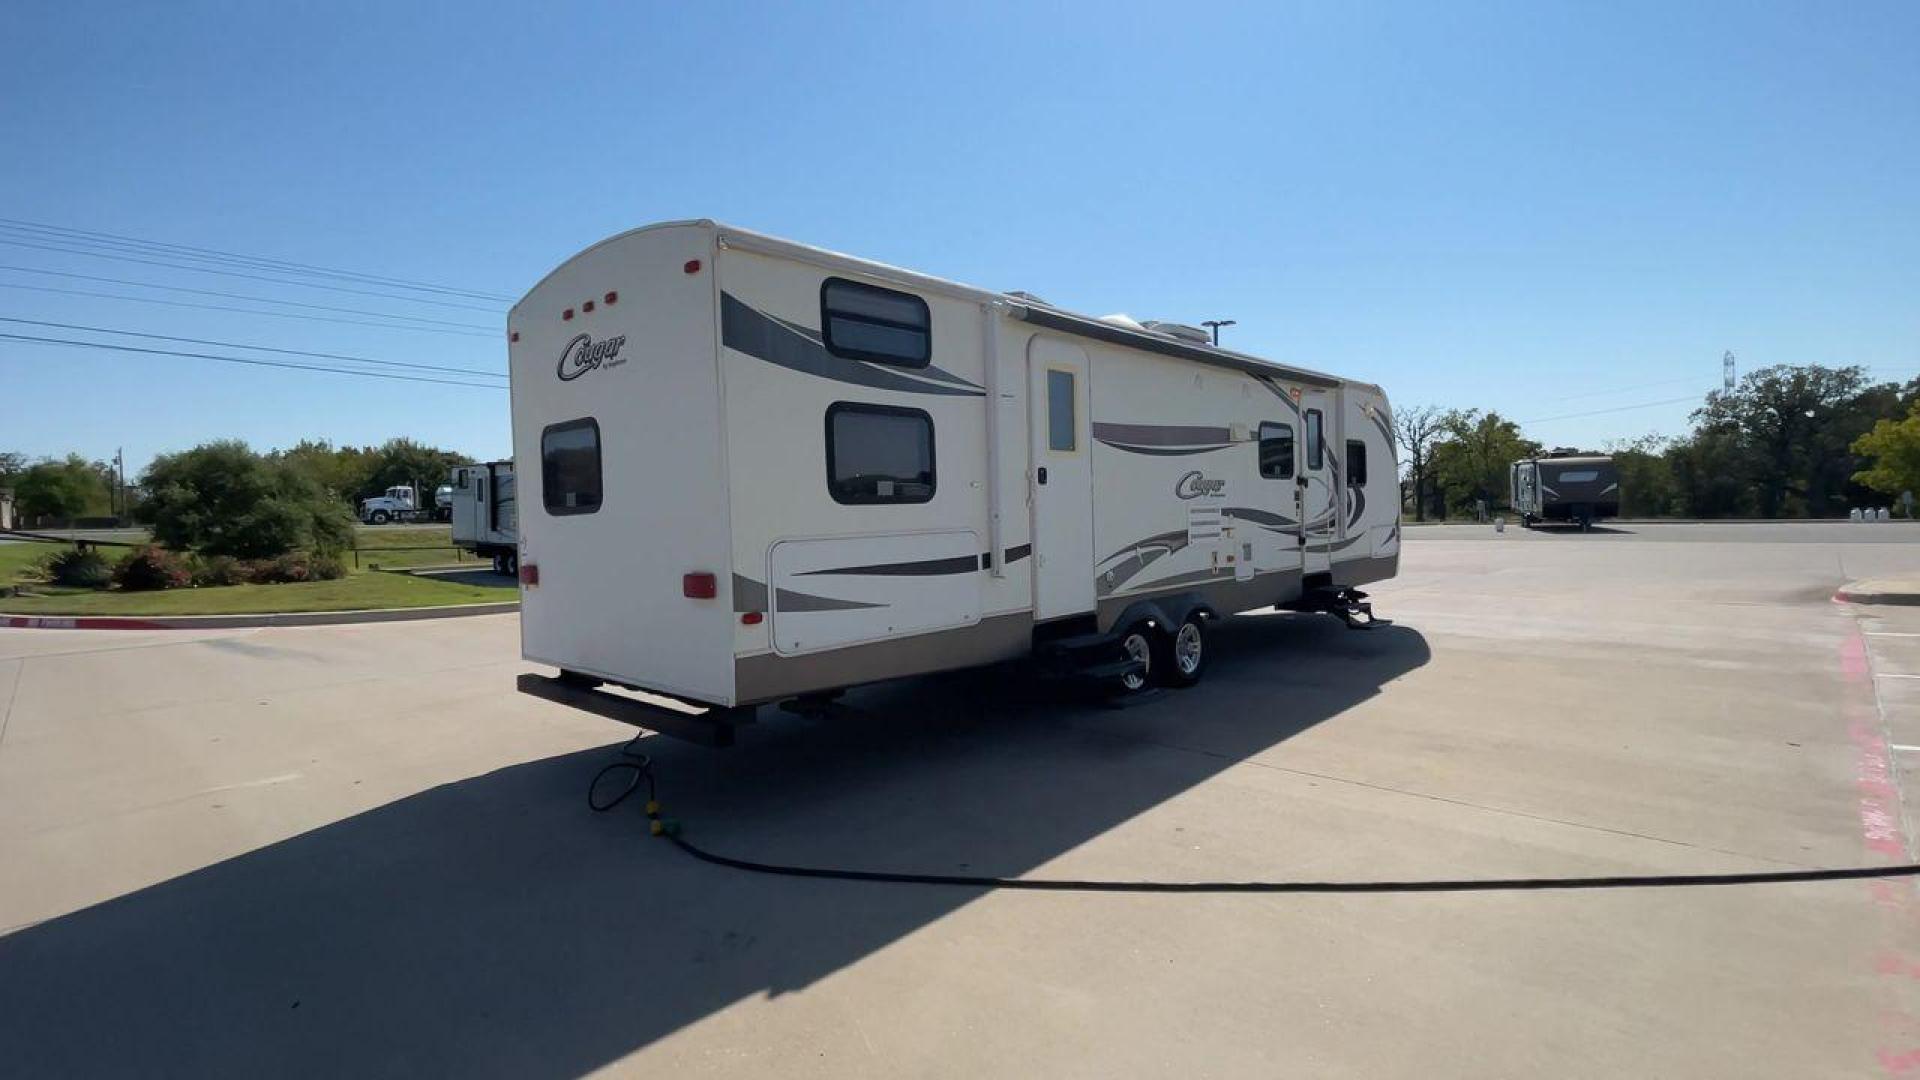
(354,850)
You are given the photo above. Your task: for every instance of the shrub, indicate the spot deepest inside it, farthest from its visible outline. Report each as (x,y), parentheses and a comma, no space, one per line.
(79,568)
(224,499)
(221,570)
(151,568)
(298,566)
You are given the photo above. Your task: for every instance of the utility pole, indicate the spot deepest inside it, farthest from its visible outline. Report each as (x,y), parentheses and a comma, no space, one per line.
(1215,325)
(1726,372)
(120,484)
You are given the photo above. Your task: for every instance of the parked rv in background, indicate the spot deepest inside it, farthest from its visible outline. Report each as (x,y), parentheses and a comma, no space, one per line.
(757,471)
(1566,486)
(402,502)
(484,515)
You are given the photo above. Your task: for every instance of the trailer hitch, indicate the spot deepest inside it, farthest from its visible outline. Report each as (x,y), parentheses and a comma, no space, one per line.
(1348,605)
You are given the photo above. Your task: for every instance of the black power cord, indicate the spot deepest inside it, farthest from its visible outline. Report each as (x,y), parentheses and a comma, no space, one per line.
(641,767)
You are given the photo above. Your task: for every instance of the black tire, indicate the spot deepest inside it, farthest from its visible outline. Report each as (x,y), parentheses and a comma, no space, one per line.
(1182,658)
(379,517)
(1140,642)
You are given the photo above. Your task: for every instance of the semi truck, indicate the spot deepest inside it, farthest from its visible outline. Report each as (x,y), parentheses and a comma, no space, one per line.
(403,502)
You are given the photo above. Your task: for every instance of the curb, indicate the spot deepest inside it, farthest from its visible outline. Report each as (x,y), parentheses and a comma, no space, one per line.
(226,622)
(1860,592)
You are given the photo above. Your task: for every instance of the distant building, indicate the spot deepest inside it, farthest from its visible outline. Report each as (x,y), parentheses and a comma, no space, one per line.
(6,508)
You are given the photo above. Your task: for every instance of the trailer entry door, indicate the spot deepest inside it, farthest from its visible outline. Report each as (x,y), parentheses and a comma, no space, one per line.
(1060,479)
(1320,497)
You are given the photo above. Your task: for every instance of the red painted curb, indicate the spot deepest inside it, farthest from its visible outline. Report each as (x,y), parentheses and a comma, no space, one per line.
(78,622)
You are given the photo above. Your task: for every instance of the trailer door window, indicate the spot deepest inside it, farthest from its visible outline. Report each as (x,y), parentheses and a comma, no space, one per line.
(879,454)
(866,322)
(1316,448)
(1061,427)
(1356,463)
(570,467)
(1276,451)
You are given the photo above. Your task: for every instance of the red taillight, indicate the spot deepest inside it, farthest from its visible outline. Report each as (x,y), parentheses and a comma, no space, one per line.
(529,574)
(692,266)
(567,314)
(699,586)
(514,336)
(612,298)
(751,618)
(586,307)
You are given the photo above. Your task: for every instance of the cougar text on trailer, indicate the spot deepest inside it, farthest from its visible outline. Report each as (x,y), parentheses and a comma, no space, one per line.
(757,470)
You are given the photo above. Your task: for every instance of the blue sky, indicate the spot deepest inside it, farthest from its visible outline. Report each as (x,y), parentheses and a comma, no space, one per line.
(1535,208)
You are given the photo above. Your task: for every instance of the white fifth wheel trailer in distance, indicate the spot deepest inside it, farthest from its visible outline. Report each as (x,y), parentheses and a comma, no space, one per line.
(485,513)
(755,470)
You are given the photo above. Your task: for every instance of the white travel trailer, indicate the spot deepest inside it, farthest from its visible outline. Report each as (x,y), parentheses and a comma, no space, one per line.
(757,470)
(485,514)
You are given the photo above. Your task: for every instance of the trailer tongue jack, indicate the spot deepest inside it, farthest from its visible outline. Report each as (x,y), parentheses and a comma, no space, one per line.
(1350,606)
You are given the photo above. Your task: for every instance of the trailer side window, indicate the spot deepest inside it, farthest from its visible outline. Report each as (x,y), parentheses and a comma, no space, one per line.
(1276,451)
(866,322)
(1356,463)
(570,467)
(1316,444)
(879,454)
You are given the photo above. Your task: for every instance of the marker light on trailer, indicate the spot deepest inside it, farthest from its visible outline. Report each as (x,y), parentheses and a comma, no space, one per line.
(751,618)
(699,586)
(612,298)
(529,574)
(692,266)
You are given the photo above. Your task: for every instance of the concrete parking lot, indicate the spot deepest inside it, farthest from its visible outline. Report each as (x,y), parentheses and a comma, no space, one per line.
(354,850)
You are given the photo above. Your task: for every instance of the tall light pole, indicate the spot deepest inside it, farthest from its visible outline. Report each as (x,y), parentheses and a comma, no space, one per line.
(1215,325)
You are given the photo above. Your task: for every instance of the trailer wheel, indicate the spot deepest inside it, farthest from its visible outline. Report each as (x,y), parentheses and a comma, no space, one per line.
(1183,656)
(1138,644)
(380,517)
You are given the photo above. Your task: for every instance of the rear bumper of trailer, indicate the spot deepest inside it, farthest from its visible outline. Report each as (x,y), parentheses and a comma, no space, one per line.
(711,727)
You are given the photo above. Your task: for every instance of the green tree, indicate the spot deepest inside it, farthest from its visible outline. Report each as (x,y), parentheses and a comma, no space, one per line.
(71,488)
(1791,429)
(1471,459)
(341,470)
(221,498)
(404,461)
(1647,484)
(1894,448)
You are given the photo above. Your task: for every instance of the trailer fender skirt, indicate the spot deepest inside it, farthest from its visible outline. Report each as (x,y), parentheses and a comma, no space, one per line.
(636,768)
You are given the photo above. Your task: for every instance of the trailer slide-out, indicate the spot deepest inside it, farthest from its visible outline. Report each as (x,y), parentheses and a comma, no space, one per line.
(757,471)
(485,514)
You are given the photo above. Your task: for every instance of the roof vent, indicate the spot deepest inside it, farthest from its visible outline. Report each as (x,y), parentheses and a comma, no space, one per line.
(1193,335)
(1121,319)
(1027,298)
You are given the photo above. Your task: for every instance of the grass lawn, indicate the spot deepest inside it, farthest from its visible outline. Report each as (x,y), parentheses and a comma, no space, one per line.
(382,547)
(353,592)
(17,559)
(365,589)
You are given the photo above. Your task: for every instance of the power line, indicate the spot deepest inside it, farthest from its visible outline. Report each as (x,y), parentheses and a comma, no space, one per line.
(256,260)
(238,274)
(239,296)
(1622,408)
(257,348)
(245,360)
(474,332)
(1624,389)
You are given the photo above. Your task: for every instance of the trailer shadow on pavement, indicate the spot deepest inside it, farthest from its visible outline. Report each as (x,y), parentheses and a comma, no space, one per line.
(495,926)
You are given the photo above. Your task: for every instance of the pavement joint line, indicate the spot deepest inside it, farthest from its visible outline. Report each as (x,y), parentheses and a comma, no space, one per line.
(13,693)
(162,643)
(1463,803)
